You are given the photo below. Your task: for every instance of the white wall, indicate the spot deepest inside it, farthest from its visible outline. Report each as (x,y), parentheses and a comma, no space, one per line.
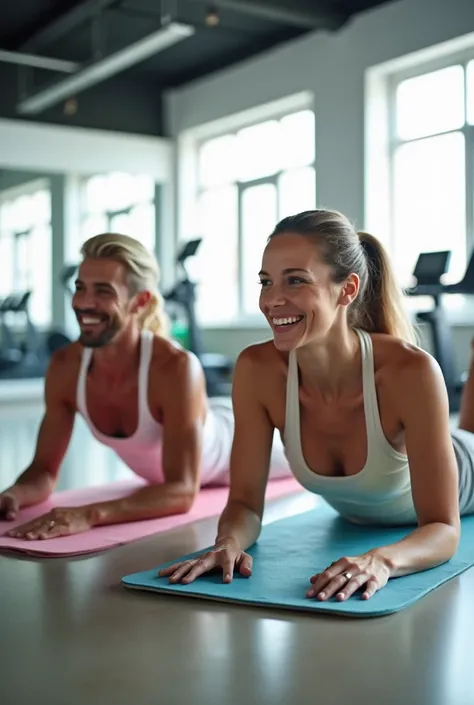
(76,150)
(333,67)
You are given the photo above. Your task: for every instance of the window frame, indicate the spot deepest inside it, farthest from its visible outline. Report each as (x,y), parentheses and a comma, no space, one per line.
(243,319)
(83,214)
(394,79)
(13,193)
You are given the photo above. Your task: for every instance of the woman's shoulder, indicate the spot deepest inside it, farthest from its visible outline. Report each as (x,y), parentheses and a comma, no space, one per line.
(397,361)
(262,356)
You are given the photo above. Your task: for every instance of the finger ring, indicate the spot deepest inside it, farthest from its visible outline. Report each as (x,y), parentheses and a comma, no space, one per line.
(51,524)
(347,576)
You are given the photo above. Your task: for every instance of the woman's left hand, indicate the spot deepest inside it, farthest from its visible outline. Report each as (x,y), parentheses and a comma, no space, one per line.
(347,575)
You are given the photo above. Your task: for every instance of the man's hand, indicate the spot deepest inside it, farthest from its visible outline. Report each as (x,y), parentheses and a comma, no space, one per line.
(57,522)
(9,505)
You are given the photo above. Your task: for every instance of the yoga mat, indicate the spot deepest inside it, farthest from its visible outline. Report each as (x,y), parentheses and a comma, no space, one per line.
(289,551)
(209,502)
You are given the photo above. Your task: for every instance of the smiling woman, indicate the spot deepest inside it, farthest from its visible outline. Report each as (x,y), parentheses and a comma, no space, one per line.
(361,409)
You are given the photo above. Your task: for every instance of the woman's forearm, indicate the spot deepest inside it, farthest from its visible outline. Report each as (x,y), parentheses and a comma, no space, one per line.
(240,523)
(426,547)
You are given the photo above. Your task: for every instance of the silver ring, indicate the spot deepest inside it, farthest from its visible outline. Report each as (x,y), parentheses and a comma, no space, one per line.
(347,576)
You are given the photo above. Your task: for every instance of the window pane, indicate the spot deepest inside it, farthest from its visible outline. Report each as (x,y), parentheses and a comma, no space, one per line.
(23,262)
(41,275)
(94,225)
(431,103)
(142,188)
(8,263)
(20,214)
(40,205)
(429,203)
(96,191)
(215,266)
(258,150)
(218,162)
(297,191)
(297,141)
(470,92)
(120,223)
(259,216)
(119,191)
(142,224)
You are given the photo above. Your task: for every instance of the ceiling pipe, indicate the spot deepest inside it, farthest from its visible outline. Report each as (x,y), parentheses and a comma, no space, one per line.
(38,62)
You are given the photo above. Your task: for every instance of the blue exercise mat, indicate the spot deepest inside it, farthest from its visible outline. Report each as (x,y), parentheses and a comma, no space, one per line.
(291,550)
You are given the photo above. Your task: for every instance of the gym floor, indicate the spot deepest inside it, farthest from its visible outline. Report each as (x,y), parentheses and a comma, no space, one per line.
(71,634)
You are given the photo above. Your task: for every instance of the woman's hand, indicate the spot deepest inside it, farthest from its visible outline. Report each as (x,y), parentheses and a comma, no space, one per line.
(226,555)
(347,575)
(57,522)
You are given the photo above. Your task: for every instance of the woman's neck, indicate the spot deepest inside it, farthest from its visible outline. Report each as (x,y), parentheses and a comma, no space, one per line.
(331,367)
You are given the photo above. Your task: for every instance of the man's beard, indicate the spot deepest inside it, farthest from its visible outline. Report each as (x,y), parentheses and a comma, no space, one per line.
(98,339)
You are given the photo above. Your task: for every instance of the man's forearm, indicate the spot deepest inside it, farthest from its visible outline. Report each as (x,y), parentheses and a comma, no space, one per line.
(426,547)
(150,502)
(33,486)
(239,523)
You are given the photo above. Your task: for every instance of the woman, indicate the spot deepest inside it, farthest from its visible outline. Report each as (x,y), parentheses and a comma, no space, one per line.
(362,411)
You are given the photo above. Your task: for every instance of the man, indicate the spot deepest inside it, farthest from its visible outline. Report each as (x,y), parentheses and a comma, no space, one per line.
(141,395)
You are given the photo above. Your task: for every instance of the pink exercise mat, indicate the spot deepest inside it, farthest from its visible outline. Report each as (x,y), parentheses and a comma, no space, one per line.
(209,503)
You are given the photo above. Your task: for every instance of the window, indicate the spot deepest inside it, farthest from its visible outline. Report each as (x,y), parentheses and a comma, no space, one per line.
(118,202)
(432,159)
(25,250)
(246,181)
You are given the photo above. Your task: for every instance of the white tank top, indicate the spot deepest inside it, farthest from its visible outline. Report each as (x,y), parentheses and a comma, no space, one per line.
(142,451)
(381,491)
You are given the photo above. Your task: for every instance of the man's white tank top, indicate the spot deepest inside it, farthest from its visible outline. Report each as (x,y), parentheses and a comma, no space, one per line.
(142,451)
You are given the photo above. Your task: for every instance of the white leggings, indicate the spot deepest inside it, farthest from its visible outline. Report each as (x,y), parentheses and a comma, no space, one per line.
(221,407)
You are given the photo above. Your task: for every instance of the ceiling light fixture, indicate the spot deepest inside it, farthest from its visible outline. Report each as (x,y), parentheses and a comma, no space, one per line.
(105,68)
(212,17)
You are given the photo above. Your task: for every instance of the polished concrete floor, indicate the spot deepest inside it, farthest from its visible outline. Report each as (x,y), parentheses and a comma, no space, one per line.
(70,634)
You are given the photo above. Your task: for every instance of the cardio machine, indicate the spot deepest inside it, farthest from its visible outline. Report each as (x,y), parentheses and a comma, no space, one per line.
(429,269)
(217,367)
(181,298)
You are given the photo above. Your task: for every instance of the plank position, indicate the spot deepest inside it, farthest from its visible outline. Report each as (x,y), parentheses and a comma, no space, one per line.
(141,395)
(363,411)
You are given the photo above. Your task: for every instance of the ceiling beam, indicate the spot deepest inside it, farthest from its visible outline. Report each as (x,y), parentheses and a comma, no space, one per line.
(322,16)
(66,22)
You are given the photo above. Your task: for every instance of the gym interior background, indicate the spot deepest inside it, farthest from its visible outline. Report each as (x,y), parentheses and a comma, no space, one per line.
(183,119)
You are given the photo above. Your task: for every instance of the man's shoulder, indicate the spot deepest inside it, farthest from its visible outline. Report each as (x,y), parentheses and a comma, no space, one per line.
(64,364)
(62,372)
(170,362)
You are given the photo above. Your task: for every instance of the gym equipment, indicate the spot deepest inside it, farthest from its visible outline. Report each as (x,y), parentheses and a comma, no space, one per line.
(429,269)
(24,350)
(291,550)
(217,367)
(182,296)
(209,503)
(10,352)
(22,353)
